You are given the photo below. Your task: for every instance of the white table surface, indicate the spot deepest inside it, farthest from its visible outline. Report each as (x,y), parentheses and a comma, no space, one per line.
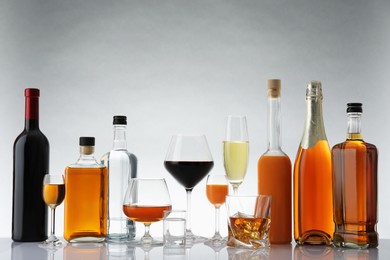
(18,251)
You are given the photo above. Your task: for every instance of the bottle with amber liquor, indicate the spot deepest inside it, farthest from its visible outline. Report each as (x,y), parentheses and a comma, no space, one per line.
(313,205)
(355,187)
(86,199)
(274,171)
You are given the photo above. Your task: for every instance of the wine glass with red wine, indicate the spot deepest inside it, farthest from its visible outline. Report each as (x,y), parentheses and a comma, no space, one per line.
(189,160)
(145,201)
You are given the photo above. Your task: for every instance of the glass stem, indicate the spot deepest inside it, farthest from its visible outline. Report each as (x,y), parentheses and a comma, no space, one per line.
(235,191)
(53,218)
(217,220)
(188,220)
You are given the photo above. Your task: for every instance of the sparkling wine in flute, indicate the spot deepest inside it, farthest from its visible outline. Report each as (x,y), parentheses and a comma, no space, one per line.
(235,154)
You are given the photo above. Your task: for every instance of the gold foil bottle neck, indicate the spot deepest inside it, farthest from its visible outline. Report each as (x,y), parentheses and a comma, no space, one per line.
(87,150)
(273,86)
(314,89)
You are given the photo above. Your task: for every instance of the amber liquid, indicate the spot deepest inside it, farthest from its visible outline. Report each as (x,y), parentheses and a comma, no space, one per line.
(313,206)
(274,178)
(355,194)
(145,214)
(53,194)
(216,193)
(85,204)
(248,230)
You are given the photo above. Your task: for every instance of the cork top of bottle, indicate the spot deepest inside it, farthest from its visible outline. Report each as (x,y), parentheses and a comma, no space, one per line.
(314,89)
(273,86)
(354,108)
(120,120)
(31,92)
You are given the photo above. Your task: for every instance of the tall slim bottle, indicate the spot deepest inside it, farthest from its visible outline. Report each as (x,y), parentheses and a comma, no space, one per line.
(86,184)
(274,171)
(313,206)
(30,164)
(122,167)
(355,187)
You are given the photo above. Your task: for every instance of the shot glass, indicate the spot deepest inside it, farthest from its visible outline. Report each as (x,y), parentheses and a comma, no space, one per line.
(174,224)
(249,221)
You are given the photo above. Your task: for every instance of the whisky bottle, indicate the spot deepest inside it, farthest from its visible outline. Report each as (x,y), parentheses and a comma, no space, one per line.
(86,184)
(274,171)
(355,187)
(313,206)
(122,167)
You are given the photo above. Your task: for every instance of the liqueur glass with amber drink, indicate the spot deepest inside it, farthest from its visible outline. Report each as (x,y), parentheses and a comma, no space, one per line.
(145,201)
(53,194)
(249,221)
(216,190)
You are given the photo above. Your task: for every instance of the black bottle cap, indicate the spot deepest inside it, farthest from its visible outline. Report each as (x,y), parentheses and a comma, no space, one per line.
(87,141)
(120,120)
(355,107)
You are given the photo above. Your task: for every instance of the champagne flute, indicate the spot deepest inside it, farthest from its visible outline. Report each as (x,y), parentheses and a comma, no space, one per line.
(189,160)
(145,201)
(236,150)
(53,194)
(216,190)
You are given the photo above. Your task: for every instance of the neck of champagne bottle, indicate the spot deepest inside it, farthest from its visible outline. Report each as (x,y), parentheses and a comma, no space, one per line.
(119,137)
(354,126)
(314,126)
(32,113)
(273,124)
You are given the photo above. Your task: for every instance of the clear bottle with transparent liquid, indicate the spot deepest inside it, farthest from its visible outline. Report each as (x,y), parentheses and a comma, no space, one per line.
(122,167)
(313,205)
(355,187)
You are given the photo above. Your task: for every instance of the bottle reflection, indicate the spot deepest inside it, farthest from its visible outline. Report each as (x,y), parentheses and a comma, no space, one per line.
(313,252)
(85,251)
(356,254)
(20,251)
(278,252)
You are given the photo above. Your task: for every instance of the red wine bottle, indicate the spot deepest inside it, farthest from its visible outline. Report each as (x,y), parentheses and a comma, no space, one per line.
(30,164)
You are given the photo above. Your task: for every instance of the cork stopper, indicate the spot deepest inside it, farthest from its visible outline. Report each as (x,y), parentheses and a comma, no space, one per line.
(87,145)
(273,86)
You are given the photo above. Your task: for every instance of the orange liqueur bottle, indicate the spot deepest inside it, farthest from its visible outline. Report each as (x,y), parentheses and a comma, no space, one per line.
(313,209)
(355,186)
(86,184)
(274,172)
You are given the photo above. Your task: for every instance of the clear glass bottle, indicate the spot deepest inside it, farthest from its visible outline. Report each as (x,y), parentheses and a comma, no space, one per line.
(274,171)
(355,187)
(122,167)
(86,199)
(313,205)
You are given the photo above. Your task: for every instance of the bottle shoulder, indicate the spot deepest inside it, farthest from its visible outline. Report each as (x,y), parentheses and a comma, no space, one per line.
(354,145)
(31,137)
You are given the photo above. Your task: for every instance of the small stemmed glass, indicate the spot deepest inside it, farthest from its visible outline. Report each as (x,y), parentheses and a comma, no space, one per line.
(236,150)
(216,190)
(53,194)
(145,201)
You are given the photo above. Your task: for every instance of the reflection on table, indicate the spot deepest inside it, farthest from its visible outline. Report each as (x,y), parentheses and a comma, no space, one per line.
(107,251)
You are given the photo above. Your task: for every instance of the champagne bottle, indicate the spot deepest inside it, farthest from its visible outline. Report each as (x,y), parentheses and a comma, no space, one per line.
(274,171)
(30,164)
(313,206)
(122,167)
(355,187)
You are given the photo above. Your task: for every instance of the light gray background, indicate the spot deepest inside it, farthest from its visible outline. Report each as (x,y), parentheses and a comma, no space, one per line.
(181,67)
